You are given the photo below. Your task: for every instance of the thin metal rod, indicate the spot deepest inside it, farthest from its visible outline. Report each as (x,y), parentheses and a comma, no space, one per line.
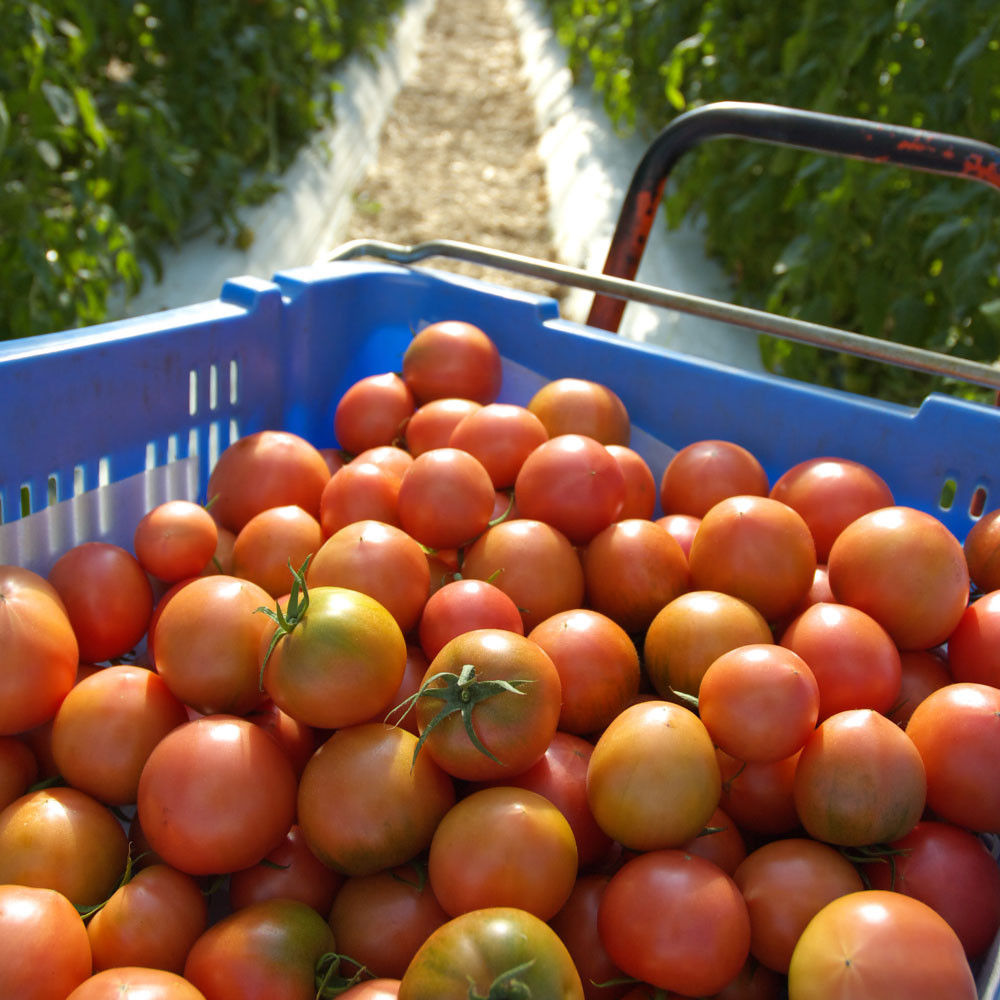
(831,338)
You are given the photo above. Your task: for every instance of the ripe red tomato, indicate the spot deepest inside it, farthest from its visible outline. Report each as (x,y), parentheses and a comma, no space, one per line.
(953,872)
(720,842)
(365,803)
(879,944)
(501,436)
(640,485)
(269,468)
(488,949)
(960,771)
(360,491)
(152,921)
(676,921)
(270,541)
(653,779)
(973,645)
(581,406)
(759,797)
(108,598)
(452,358)
(830,493)
(379,560)
(573,483)
(338,662)
(692,631)
(387,456)
(136,983)
(490,705)
(290,871)
(759,702)
(982,552)
(41,652)
(533,563)
(683,527)
(41,930)
(432,423)
(206,641)
(18,769)
(757,549)
(855,662)
(63,839)
(859,780)
(905,569)
(372,412)
(532,865)
(785,883)
(106,728)
(705,472)
(266,951)
(381,920)
(598,667)
(462,605)
(372,989)
(175,540)
(446,498)
(922,671)
(631,570)
(216,795)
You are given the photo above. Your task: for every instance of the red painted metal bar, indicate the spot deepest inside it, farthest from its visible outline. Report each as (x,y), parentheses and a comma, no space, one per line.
(855,138)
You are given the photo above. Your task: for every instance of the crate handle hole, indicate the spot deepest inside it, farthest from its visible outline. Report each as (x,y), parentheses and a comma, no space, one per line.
(192,392)
(234,382)
(53,487)
(213,386)
(948,491)
(25,500)
(978,502)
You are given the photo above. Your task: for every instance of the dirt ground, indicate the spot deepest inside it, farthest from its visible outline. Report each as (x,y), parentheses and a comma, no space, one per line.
(458,156)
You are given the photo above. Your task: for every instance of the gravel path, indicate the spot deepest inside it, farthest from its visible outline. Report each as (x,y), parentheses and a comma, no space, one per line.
(458,155)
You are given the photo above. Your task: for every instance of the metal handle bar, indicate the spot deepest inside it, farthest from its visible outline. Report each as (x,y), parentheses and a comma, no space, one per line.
(855,138)
(623,289)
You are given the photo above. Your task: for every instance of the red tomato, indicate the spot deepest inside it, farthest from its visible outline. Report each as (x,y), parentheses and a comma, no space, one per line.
(631,570)
(269,468)
(339,661)
(489,705)
(45,953)
(136,983)
(982,552)
(561,776)
(446,498)
(41,653)
(757,549)
(18,769)
(206,641)
(973,654)
(501,436)
(360,491)
(961,785)
(859,780)
(432,423)
(879,944)
(759,797)
(759,702)
(683,527)
(294,737)
(720,842)
(953,872)
(576,925)
(266,951)
(905,569)
(855,662)
(533,563)
(413,674)
(580,406)
(365,803)
(462,605)
(785,883)
(640,485)
(108,598)
(598,667)
(379,560)
(381,920)
(106,728)
(62,839)
(676,921)
(270,541)
(705,472)
(692,631)
(216,795)
(372,989)
(922,671)
(830,493)
(176,539)
(152,921)
(372,412)
(573,483)
(452,358)
(390,457)
(290,871)
(471,953)
(653,779)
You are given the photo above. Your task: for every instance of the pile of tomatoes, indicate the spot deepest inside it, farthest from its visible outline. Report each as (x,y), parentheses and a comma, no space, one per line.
(472,706)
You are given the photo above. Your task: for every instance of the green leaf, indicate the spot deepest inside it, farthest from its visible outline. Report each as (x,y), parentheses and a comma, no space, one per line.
(48,153)
(61,102)
(92,123)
